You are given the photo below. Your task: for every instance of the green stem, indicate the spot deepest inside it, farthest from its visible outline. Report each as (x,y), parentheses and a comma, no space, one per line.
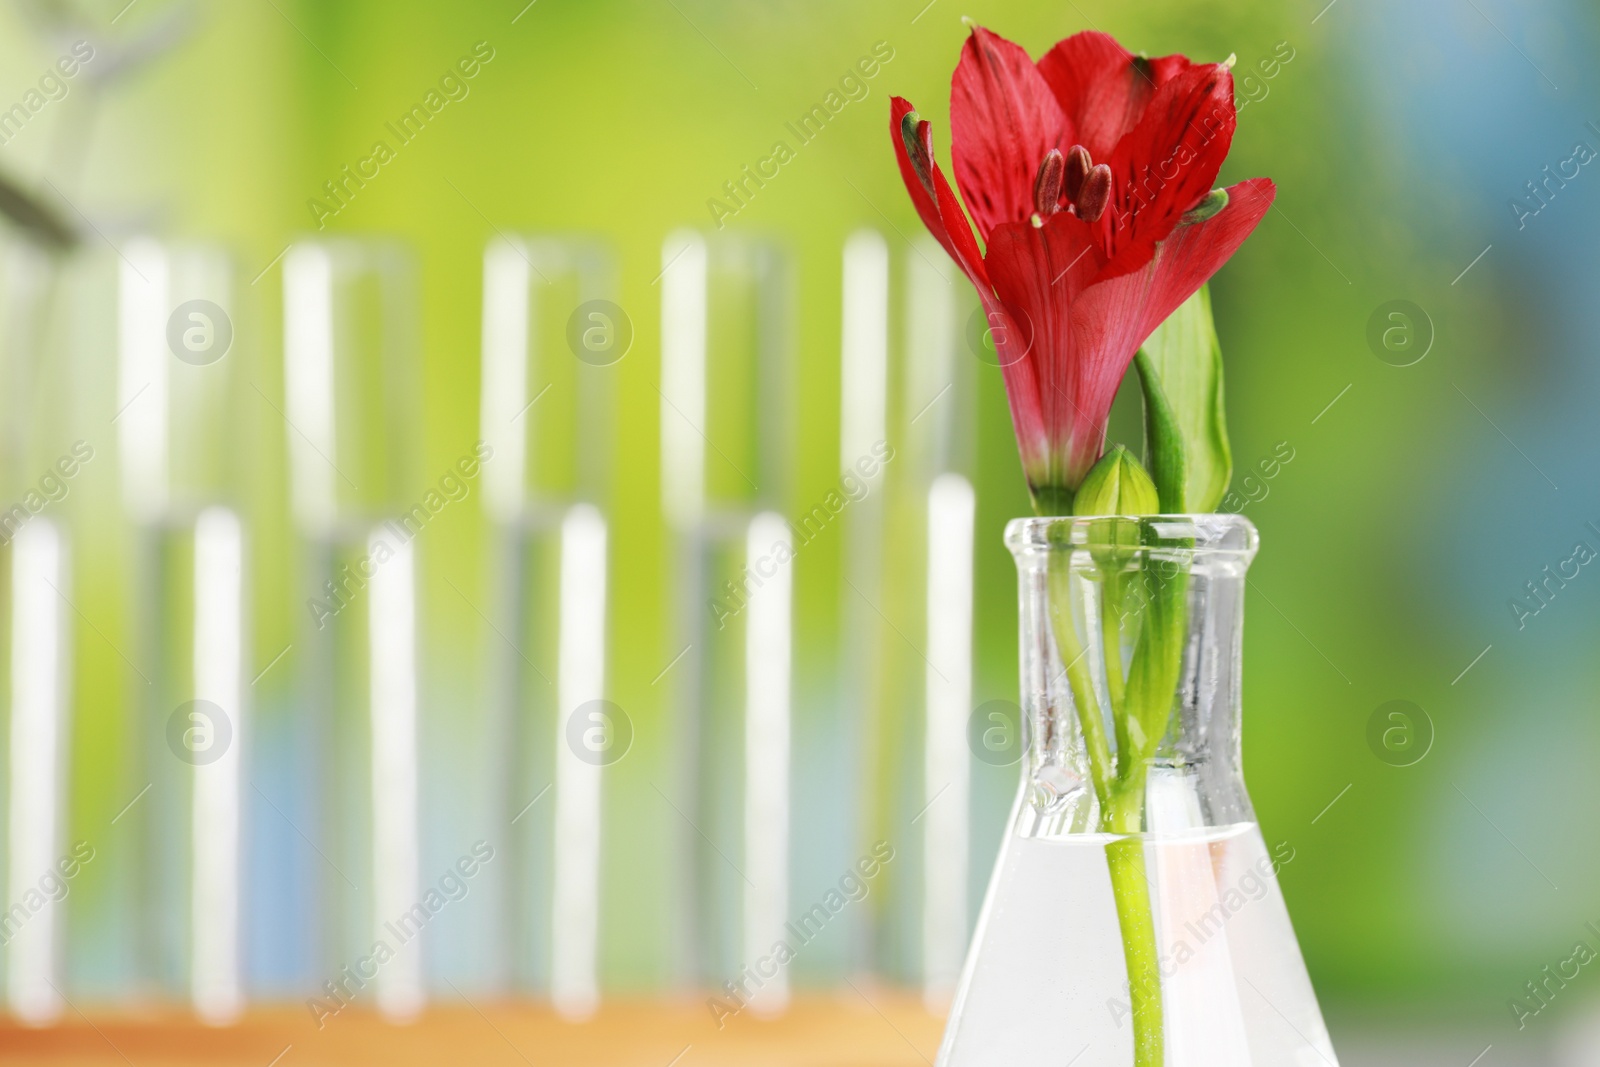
(1074,660)
(1111,636)
(1124,817)
(1120,791)
(1130,887)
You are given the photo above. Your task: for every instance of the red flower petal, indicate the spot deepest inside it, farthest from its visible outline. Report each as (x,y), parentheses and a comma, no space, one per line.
(1039,272)
(1003,119)
(941,212)
(1085,329)
(1133,304)
(1166,164)
(1192,254)
(1102,88)
(943,216)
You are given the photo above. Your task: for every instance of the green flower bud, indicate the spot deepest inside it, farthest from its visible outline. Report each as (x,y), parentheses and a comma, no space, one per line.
(1117,485)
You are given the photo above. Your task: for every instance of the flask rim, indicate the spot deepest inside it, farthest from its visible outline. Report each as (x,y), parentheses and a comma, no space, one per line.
(1221,536)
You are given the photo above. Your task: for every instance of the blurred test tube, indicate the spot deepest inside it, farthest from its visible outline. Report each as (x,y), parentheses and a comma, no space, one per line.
(936,413)
(353,406)
(552,334)
(31,288)
(853,726)
(180,473)
(768,661)
(36,643)
(906,604)
(725,399)
(36,824)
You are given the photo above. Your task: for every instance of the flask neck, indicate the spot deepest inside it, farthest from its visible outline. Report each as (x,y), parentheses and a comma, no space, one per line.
(1131,647)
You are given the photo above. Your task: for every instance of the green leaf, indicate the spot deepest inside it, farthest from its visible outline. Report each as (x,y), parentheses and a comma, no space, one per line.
(1157,662)
(1186,433)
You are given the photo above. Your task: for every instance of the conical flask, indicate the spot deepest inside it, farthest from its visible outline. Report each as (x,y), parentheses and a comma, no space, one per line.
(1134,918)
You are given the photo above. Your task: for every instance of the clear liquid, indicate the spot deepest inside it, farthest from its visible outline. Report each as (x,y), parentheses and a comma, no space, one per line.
(1046,982)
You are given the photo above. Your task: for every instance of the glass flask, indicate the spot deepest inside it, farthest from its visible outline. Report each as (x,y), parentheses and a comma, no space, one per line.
(1134,918)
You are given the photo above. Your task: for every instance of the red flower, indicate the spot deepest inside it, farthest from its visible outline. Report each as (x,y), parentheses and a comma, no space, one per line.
(1089,177)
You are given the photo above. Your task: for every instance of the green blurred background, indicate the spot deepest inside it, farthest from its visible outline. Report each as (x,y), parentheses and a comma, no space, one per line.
(1418,502)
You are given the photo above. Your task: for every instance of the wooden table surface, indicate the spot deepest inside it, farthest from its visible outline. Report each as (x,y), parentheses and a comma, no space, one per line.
(870,1028)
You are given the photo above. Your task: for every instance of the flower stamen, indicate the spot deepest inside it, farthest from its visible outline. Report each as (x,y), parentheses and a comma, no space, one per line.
(1078,167)
(1047,186)
(1096,193)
